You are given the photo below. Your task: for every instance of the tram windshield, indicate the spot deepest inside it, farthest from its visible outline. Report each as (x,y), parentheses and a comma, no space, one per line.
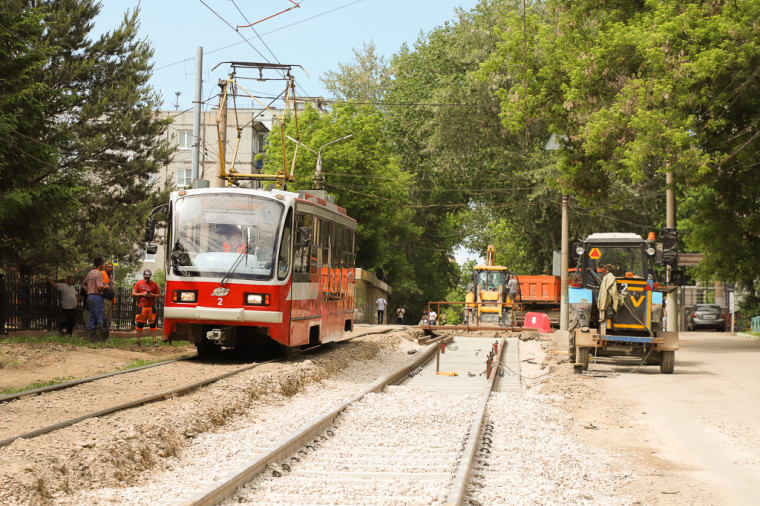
(226,235)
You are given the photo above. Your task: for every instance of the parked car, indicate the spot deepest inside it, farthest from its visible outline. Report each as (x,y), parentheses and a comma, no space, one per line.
(706,316)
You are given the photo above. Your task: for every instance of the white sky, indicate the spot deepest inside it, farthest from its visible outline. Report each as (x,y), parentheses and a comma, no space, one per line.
(317,35)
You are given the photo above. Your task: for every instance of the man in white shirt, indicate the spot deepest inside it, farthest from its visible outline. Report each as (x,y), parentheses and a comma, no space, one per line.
(381,303)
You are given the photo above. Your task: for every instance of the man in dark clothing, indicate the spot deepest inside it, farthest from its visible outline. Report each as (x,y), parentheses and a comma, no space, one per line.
(69,302)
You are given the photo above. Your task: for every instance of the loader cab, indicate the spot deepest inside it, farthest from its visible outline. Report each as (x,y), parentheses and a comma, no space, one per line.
(490,279)
(624,255)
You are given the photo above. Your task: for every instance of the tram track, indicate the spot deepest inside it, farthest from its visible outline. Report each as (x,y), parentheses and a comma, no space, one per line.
(168,394)
(73,383)
(431,460)
(35,405)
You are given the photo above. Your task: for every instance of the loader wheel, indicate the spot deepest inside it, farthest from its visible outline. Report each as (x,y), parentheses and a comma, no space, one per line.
(668,362)
(583,354)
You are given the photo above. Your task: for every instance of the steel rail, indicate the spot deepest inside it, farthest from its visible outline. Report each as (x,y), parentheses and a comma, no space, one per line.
(293,442)
(73,383)
(458,487)
(131,404)
(160,396)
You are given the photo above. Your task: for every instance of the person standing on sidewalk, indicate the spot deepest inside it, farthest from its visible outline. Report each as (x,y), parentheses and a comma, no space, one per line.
(147,292)
(109,296)
(94,285)
(381,303)
(69,303)
(400,315)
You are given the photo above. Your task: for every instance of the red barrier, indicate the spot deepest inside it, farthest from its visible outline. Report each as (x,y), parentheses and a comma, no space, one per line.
(538,321)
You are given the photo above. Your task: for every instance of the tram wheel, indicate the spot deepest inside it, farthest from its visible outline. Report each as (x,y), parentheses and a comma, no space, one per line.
(207,348)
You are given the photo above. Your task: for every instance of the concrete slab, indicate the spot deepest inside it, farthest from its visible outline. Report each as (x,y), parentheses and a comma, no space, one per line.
(465,356)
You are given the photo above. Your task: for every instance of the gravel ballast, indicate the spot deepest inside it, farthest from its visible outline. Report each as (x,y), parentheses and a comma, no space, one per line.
(397,447)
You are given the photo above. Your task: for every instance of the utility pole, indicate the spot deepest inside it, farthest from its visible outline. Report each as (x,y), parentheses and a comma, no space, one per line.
(197,112)
(564,313)
(222,127)
(674,312)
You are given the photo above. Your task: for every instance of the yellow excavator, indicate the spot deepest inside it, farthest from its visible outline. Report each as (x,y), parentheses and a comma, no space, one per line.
(487,296)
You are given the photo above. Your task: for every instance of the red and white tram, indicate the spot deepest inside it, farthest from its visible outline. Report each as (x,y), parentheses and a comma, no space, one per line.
(244,267)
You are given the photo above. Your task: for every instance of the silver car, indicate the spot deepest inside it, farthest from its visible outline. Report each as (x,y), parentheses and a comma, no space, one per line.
(706,316)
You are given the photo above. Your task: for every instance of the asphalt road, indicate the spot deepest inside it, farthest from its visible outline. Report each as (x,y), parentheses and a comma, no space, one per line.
(705,417)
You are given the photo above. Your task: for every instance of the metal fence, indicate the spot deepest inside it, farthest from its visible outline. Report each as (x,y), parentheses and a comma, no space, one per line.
(28,304)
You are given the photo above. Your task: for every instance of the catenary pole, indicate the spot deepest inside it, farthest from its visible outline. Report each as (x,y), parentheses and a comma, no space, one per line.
(197,112)
(670,221)
(564,314)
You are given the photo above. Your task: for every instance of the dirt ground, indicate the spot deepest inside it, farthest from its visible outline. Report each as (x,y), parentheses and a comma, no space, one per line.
(692,437)
(22,364)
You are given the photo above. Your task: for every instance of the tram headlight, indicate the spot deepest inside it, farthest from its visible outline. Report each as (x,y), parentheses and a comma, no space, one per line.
(186,296)
(257,299)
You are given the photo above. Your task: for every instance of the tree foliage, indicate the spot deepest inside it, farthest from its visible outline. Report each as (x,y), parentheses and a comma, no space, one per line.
(362,80)
(363,175)
(80,138)
(644,88)
(632,90)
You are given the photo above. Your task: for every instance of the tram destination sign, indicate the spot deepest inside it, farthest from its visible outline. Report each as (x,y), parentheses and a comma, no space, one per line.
(690,259)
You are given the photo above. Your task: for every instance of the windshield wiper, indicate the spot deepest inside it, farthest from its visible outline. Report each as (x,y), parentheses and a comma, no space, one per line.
(236,264)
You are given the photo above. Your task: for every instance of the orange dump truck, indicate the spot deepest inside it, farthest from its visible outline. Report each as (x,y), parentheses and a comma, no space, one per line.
(539,294)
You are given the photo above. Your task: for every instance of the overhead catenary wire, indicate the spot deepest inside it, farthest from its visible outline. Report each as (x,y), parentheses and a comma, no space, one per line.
(231,27)
(263,34)
(255,32)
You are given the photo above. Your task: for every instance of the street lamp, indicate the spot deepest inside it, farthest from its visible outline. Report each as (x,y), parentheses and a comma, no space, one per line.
(318,179)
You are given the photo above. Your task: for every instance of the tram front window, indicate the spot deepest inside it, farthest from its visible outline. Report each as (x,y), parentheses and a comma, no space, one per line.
(219,234)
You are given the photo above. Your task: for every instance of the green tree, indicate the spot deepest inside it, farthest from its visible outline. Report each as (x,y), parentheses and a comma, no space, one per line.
(77,170)
(640,89)
(467,164)
(363,174)
(363,80)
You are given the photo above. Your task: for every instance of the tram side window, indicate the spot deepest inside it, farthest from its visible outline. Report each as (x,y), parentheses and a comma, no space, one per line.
(337,253)
(304,240)
(324,242)
(314,258)
(349,255)
(283,257)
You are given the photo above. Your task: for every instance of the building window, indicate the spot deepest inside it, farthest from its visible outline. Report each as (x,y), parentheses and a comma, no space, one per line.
(259,142)
(146,257)
(184,178)
(185,139)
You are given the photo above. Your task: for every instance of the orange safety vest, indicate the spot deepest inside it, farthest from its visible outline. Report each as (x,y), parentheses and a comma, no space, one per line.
(227,247)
